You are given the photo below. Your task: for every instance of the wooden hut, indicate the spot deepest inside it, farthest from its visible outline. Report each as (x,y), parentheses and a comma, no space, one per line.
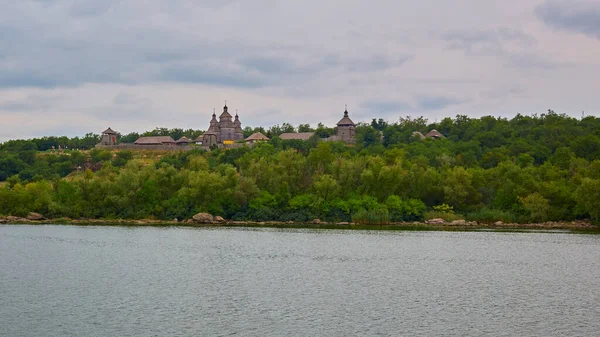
(419,135)
(434,134)
(109,137)
(296,135)
(183,141)
(157,140)
(256,137)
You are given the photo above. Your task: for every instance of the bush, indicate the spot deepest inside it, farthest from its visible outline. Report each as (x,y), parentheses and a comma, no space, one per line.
(372,217)
(449,217)
(488,215)
(405,210)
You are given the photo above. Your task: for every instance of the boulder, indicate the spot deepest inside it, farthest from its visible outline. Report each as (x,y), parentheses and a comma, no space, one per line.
(203,218)
(316,221)
(3,220)
(175,220)
(458,222)
(219,219)
(11,218)
(436,221)
(35,216)
(498,223)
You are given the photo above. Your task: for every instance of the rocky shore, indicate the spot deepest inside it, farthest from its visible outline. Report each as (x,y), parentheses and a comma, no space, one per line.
(205,219)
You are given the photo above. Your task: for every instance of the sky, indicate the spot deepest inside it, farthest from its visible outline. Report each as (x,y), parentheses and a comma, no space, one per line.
(70,67)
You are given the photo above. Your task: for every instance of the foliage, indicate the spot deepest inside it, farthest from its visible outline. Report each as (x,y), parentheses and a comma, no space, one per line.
(372,217)
(528,168)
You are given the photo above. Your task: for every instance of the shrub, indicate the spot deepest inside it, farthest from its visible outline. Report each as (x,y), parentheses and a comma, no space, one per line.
(372,217)
(449,217)
(489,215)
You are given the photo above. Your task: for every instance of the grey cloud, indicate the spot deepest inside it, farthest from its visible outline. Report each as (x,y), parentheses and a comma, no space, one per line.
(485,39)
(125,99)
(109,42)
(513,47)
(421,103)
(375,63)
(211,75)
(575,16)
(31,102)
(385,106)
(90,8)
(269,65)
(531,61)
(437,102)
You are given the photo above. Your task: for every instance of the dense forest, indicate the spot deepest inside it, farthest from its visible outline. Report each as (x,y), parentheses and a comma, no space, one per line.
(525,169)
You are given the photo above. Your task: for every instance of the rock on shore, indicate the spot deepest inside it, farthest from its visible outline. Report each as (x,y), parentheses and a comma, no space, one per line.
(206,218)
(35,216)
(203,218)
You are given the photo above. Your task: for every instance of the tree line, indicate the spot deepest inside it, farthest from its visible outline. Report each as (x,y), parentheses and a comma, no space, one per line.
(524,169)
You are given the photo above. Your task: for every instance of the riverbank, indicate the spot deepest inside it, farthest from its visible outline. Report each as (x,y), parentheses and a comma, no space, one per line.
(574,226)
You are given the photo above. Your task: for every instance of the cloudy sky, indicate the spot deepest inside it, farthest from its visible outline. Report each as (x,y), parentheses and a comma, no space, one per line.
(69,67)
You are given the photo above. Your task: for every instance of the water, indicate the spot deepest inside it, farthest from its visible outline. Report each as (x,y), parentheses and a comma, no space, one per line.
(118,281)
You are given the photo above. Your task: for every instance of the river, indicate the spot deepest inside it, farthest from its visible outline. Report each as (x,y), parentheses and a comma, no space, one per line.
(176,281)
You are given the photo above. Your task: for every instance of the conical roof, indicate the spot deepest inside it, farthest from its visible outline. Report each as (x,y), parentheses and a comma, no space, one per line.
(418,134)
(345,120)
(257,136)
(183,139)
(434,134)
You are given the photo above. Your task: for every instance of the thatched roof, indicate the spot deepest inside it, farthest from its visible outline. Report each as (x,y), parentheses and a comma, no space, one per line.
(158,140)
(418,134)
(434,134)
(184,140)
(296,135)
(109,131)
(257,136)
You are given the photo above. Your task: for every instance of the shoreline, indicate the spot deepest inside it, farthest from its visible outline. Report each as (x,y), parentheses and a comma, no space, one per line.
(572,226)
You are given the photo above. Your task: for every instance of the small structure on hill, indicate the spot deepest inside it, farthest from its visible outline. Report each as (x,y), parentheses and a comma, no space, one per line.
(184,141)
(435,134)
(155,140)
(109,137)
(419,135)
(296,135)
(345,132)
(346,129)
(256,138)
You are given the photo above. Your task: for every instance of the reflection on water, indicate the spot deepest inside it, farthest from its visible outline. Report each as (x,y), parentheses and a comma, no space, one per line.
(118,281)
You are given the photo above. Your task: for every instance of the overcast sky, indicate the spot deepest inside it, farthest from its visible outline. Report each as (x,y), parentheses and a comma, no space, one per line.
(69,67)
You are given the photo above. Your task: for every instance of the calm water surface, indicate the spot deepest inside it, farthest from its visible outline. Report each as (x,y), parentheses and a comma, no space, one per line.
(116,281)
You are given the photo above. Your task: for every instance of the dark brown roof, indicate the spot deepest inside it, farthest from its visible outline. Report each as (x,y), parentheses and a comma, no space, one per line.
(225,114)
(257,136)
(183,139)
(434,134)
(109,131)
(296,135)
(158,140)
(345,120)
